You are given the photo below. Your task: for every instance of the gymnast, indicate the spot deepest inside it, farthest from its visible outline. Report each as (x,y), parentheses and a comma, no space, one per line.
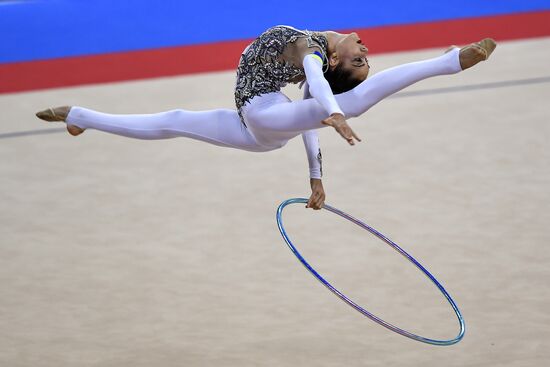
(333,68)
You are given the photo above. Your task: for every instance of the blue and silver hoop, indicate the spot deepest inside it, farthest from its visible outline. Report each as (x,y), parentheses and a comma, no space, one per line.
(349,301)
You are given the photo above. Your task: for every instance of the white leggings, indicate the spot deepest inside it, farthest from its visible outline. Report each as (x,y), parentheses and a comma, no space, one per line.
(272,119)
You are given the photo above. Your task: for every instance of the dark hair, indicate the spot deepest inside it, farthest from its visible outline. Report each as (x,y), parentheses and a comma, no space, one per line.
(340,79)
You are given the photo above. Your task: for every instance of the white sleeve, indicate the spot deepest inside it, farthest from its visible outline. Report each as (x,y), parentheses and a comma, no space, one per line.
(318,85)
(314,158)
(311,143)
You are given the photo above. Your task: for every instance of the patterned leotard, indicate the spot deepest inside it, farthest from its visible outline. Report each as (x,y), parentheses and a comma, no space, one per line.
(261,69)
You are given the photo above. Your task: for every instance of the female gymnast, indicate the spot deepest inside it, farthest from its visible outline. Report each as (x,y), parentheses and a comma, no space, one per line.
(334,68)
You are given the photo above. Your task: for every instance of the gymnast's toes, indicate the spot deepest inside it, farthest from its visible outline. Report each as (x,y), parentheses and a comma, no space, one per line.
(488,44)
(476,52)
(54,114)
(59,114)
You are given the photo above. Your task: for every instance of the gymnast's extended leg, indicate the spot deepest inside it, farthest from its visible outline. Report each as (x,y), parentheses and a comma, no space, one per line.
(221,127)
(298,116)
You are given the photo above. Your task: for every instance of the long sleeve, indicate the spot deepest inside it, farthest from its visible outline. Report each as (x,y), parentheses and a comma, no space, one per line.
(311,143)
(318,85)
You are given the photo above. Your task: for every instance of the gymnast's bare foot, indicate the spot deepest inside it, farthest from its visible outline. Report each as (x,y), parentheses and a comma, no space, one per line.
(59,114)
(476,52)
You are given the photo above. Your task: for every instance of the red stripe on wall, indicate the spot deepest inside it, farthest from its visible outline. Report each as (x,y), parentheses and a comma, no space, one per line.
(70,71)
(121,66)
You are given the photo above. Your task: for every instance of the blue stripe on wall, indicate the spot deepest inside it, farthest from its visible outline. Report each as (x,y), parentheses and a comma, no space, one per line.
(35,29)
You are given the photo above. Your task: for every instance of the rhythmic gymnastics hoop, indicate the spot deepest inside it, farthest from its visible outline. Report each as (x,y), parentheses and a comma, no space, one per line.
(344,298)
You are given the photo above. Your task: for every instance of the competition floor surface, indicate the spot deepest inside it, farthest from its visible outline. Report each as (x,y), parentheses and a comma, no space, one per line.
(120,252)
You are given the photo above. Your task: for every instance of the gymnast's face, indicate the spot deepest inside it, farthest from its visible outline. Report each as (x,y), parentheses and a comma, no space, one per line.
(351,54)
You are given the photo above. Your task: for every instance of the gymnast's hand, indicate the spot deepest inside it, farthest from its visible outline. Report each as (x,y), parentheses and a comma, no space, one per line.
(317,198)
(338,122)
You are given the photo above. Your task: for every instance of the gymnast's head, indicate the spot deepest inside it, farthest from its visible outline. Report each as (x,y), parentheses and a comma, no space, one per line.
(348,64)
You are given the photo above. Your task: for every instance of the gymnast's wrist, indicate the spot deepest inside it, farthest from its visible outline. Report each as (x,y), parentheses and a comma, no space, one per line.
(315,181)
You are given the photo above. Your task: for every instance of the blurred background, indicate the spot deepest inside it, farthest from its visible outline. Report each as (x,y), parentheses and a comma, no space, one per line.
(69,42)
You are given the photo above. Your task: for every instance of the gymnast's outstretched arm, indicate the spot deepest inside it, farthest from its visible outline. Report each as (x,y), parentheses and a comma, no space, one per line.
(314,157)
(319,88)
(220,127)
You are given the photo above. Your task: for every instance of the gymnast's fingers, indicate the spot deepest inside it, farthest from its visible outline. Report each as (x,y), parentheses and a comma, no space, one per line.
(320,202)
(314,201)
(316,205)
(355,135)
(310,202)
(348,136)
(342,131)
(345,131)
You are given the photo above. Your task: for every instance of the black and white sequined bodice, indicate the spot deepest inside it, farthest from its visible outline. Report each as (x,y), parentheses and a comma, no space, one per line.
(261,69)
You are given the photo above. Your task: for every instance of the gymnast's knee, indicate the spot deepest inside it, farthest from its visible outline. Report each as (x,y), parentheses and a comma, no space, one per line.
(175,114)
